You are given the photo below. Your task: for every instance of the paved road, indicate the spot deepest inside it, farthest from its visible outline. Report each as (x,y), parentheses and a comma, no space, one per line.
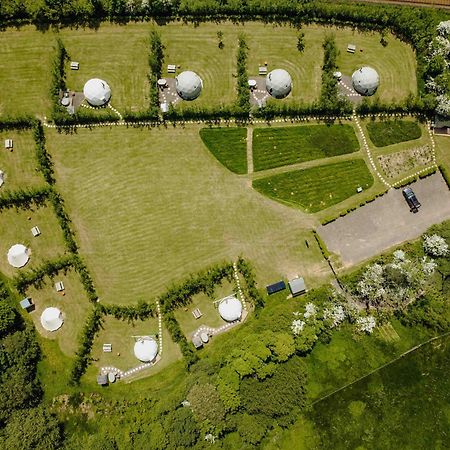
(387,221)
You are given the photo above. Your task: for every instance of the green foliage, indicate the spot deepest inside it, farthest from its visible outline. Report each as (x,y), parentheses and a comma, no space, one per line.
(301,42)
(181,429)
(141,311)
(279,395)
(42,156)
(252,428)
(321,244)
(243,91)
(8,318)
(392,132)
(24,198)
(206,404)
(316,188)
(16,123)
(246,270)
(90,330)
(58,83)
(280,146)
(156,61)
(32,429)
(445,173)
(228,145)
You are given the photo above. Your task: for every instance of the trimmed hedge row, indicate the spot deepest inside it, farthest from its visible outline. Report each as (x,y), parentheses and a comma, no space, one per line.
(24,198)
(243,92)
(141,311)
(323,247)
(445,173)
(35,277)
(246,270)
(83,358)
(353,208)
(58,82)
(415,178)
(43,158)
(155,60)
(85,278)
(16,123)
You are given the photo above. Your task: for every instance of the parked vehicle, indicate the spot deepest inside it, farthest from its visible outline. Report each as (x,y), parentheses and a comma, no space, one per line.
(411,199)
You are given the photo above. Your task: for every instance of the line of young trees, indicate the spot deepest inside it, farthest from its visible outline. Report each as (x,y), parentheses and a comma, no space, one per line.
(24,198)
(58,80)
(156,61)
(243,91)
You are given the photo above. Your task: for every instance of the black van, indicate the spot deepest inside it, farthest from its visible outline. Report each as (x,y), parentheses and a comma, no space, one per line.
(411,199)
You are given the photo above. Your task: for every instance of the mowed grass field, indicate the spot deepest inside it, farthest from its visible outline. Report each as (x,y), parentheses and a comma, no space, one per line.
(151,206)
(19,166)
(121,334)
(74,306)
(396,64)
(383,133)
(228,145)
(119,54)
(318,187)
(280,146)
(15,228)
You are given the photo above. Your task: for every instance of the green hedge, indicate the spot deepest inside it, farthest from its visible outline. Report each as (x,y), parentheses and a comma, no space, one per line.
(243,91)
(141,311)
(58,80)
(24,198)
(16,123)
(43,158)
(445,173)
(323,247)
(156,61)
(246,270)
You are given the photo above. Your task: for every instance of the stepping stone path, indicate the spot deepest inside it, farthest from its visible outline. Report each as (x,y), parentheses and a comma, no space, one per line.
(120,373)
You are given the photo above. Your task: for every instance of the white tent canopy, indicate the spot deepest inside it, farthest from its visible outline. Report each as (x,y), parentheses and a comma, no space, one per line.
(51,319)
(188,85)
(230,309)
(278,83)
(145,349)
(365,80)
(97,92)
(18,255)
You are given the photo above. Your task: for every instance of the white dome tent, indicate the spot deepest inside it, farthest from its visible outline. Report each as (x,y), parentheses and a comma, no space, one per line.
(230,309)
(51,319)
(145,349)
(97,92)
(189,85)
(365,80)
(278,83)
(18,255)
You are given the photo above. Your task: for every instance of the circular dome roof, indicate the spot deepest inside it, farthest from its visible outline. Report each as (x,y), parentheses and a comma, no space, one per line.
(51,319)
(230,309)
(18,255)
(188,85)
(278,83)
(146,349)
(365,80)
(97,92)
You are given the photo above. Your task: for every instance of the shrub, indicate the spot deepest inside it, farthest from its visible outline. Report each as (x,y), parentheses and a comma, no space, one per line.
(24,198)
(243,91)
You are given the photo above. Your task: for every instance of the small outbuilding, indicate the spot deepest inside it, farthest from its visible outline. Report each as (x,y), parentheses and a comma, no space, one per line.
(365,80)
(197,341)
(51,319)
(26,303)
(230,309)
(145,349)
(188,85)
(18,255)
(102,380)
(297,286)
(278,83)
(97,92)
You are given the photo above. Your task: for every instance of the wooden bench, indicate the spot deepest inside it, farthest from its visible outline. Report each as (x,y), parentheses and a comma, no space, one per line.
(262,70)
(197,313)
(351,48)
(171,68)
(74,65)
(59,286)
(8,144)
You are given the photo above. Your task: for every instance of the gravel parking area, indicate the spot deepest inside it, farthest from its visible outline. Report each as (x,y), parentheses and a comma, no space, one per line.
(387,221)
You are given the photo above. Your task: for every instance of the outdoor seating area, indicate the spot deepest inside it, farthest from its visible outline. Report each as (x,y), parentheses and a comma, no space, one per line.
(197,313)
(171,68)
(351,48)
(9,144)
(35,231)
(107,348)
(59,286)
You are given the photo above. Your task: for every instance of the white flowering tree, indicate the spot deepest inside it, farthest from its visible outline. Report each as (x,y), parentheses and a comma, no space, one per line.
(366,324)
(310,310)
(435,245)
(297,326)
(335,314)
(443,106)
(444,28)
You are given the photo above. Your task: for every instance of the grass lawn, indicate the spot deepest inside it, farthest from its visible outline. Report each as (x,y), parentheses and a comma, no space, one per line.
(25,58)
(120,334)
(392,132)
(318,187)
(280,146)
(19,165)
(195,47)
(117,54)
(74,305)
(15,228)
(395,63)
(443,150)
(210,317)
(228,145)
(151,212)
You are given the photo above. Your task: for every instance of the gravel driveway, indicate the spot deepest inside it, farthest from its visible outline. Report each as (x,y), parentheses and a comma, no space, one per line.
(387,221)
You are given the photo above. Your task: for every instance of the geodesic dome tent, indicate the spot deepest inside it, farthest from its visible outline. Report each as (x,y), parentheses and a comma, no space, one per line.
(365,81)
(278,83)
(51,319)
(188,85)
(145,349)
(97,92)
(18,255)
(230,309)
